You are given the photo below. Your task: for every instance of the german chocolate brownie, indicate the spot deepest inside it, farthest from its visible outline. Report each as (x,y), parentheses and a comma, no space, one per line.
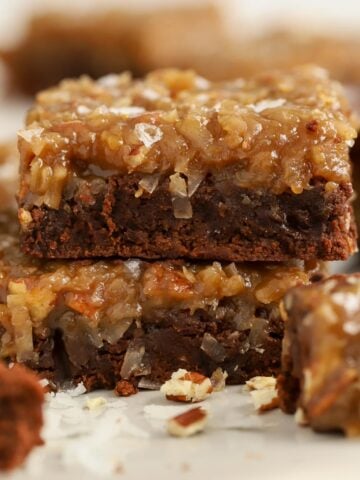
(173,166)
(101,321)
(321,354)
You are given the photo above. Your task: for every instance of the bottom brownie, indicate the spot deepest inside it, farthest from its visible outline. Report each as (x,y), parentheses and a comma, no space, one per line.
(321,354)
(102,321)
(148,354)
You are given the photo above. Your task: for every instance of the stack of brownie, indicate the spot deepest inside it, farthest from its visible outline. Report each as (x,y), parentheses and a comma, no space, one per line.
(162,221)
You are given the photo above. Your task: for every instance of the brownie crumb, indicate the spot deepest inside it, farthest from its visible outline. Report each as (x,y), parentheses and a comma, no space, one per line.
(124,388)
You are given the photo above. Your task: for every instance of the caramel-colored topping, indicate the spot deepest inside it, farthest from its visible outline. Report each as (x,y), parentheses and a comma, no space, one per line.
(278,131)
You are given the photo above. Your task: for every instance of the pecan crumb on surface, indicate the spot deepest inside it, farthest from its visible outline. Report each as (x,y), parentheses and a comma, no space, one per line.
(188,423)
(124,388)
(187,386)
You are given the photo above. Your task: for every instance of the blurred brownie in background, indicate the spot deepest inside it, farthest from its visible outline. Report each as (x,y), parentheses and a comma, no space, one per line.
(56,46)
(287,49)
(59,45)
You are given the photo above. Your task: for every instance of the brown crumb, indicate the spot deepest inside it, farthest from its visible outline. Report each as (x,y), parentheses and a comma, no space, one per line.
(185,467)
(119,469)
(125,389)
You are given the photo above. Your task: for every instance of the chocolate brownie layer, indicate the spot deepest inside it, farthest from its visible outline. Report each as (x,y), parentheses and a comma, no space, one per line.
(147,355)
(105,217)
(321,352)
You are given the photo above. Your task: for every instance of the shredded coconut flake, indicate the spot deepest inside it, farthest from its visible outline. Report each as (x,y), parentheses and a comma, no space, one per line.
(78,390)
(134,267)
(95,403)
(348,300)
(109,81)
(150,94)
(83,110)
(30,133)
(148,134)
(201,82)
(267,104)
(127,111)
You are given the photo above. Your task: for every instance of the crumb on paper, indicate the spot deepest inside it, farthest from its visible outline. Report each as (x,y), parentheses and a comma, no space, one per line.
(263,393)
(185,467)
(259,383)
(187,386)
(95,403)
(124,388)
(188,423)
(300,417)
(265,399)
(250,455)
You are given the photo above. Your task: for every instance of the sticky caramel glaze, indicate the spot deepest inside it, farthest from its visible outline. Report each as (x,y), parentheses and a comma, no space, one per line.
(279,130)
(101,299)
(322,349)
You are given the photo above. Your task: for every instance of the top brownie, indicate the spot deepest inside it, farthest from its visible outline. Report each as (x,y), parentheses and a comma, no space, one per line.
(176,166)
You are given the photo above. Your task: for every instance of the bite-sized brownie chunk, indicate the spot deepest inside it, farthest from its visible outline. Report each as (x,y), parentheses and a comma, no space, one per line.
(101,321)
(321,354)
(21,419)
(174,166)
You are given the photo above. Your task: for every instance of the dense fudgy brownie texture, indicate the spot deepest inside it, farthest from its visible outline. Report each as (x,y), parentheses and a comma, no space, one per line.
(172,340)
(21,399)
(228,223)
(321,351)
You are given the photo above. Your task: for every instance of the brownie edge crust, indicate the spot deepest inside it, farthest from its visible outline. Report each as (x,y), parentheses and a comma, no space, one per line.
(106,217)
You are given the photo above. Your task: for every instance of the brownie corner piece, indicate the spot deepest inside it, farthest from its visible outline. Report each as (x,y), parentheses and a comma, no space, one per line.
(189,169)
(321,351)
